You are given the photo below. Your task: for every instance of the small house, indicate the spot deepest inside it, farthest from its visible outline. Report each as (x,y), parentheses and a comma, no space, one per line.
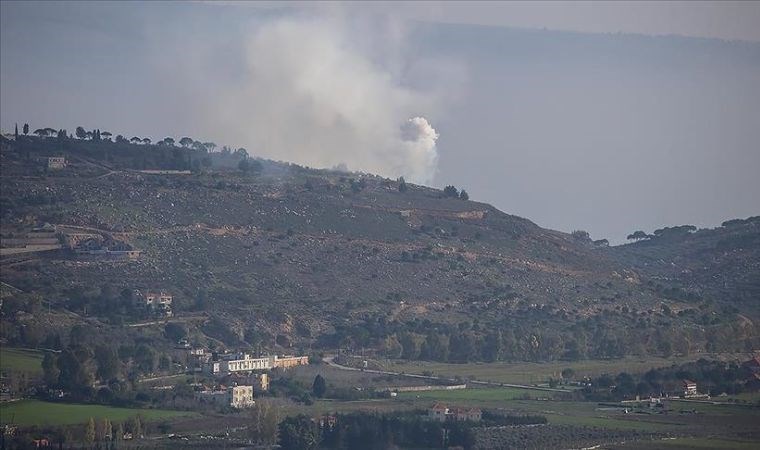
(438,412)
(158,302)
(52,162)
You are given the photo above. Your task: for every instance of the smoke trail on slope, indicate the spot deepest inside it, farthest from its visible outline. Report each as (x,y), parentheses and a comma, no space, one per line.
(312,95)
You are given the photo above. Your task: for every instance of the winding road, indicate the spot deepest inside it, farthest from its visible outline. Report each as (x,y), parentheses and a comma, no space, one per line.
(329,360)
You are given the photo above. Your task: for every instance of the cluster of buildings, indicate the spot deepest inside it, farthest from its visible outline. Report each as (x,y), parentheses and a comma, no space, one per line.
(442,413)
(240,374)
(107,248)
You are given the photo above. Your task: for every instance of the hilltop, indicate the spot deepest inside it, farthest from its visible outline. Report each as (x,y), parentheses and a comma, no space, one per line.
(270,254)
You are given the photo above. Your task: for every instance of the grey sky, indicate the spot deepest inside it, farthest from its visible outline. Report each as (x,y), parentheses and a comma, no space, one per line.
(602,132)
(710,19)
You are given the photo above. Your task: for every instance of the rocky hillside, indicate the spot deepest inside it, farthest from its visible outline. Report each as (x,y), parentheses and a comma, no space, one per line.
(289,256)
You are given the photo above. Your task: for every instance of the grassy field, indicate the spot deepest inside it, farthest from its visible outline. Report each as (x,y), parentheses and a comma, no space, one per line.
(710,443)
(488,395)
(19,359)
(695,443)
(534,373)
(751,397)
(35,412)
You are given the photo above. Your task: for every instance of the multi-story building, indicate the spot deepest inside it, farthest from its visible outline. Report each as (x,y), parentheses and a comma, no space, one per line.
(233,396)
(689,388)
(286,362)
(244,363)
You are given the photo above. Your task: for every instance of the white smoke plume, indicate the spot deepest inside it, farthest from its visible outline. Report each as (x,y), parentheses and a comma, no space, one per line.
(312,95)
(419,139)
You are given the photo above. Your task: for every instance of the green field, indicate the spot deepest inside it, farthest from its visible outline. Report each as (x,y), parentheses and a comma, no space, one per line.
(534,373)
(35,412)
(488,395)
(710,443)
(751,397)
(695,443)
(19,359)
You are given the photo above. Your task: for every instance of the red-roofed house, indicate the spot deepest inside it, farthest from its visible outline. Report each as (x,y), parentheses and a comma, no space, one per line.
(438,412)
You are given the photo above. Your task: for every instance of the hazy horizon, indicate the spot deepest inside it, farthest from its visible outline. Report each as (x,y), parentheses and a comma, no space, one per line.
(604,132)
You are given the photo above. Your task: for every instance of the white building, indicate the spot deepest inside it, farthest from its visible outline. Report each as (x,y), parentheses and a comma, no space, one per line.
(689,388)
(261,382)
(211,367)
(244,363)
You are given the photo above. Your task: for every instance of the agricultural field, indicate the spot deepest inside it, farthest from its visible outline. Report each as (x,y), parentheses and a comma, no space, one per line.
(475,396)
(35,412)
(20,360)
(537,373)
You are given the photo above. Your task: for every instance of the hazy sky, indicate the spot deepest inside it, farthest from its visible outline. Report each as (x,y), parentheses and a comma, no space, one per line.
(561,120)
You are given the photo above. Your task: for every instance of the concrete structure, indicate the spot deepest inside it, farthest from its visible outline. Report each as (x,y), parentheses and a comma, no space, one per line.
(689,388)
(286,362)
(111,249)
(452,387)
(53,162)
(244,363)
(233,396)
(211,367)
(261,382)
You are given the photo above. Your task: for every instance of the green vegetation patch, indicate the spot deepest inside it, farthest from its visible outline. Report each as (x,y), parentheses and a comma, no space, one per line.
(709,443)
(533,373)
(35,412)
(20,360)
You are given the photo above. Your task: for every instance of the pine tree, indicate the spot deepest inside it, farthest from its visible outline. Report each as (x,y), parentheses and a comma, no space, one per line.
(15,132)
(137,428)
(319,387)
(107,430)
(89,432)
(26,128)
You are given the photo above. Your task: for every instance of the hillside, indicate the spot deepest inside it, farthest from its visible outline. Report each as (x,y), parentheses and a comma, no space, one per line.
(719,264)
(284,256)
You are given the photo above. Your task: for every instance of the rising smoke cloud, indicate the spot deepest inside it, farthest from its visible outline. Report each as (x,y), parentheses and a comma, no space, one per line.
(312,95)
